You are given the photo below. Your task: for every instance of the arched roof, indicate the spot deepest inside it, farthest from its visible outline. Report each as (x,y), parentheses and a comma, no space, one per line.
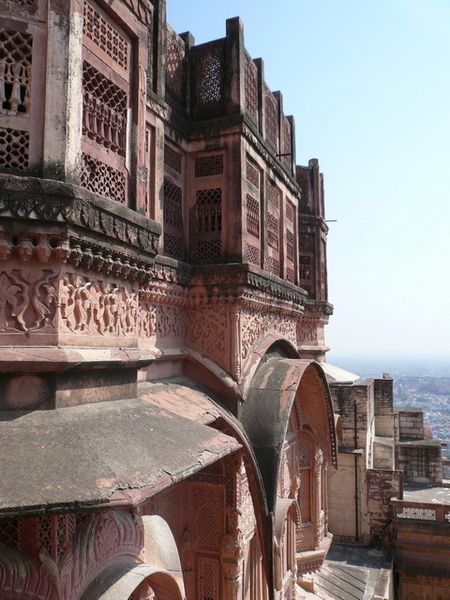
(119,580)
(280,386)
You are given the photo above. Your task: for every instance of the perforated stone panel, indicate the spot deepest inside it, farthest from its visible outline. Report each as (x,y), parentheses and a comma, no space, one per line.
(252,174)
(271,120)
(206,166)
(289,211)
(253,254)
(251,87)
(303,454)
(28,3)
(305,264)
(173,245)
(273,231)
(273,195)
(9,532)
(421,514)
(209,210)
(252,216)
(103,179)
(210,80)
(14,148)
(172,158)
(175,76)
(15,71)
(287,142)
(104,110)
(107,38)
(305,241)
(208,250)
(173,205)
(209,578)
(289,245)
(272,265)
(173,220)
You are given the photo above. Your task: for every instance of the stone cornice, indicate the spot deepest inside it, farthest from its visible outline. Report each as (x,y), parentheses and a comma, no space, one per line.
(54,202)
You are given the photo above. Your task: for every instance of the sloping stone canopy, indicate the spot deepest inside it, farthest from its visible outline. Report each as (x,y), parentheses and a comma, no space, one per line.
(280,386)
(80,456)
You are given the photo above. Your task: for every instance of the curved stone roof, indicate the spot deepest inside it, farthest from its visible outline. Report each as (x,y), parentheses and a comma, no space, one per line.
(277,385)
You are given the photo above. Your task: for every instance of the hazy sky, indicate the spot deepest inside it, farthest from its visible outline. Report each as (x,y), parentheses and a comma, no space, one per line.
(369,86)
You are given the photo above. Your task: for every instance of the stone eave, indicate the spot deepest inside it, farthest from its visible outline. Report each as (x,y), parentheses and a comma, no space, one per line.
(89,456)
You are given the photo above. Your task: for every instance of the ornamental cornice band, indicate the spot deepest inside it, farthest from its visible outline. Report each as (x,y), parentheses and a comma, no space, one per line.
(62,204)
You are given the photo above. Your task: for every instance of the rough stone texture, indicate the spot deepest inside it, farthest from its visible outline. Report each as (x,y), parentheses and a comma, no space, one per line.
(421,461)
(81,455)
(382,485)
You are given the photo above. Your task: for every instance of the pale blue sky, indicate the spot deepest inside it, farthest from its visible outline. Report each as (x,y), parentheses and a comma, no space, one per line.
(369,86)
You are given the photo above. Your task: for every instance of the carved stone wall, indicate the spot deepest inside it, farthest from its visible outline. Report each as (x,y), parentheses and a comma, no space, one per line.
(73,548)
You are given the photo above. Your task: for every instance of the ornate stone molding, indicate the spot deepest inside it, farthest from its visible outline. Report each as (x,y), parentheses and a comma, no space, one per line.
(255,325)
(52,201)
(97,539)
(28,300)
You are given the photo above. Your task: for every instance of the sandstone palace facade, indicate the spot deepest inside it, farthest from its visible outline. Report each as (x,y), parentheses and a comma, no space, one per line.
(169,427)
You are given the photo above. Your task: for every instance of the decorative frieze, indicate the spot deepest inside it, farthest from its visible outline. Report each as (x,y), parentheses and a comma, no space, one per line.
(71,552)
(255,325)
(28,300)
(36,205)
(207,331)
(97,307)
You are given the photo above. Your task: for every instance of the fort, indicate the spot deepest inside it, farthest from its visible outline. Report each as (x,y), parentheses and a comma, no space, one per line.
(170,428)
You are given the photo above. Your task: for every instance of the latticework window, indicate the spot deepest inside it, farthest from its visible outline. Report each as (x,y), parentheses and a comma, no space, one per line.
(173,205)
(305,268)
(172,158)
(305,240)
(272,265)
(252,216)
(15,71)
(9,532)
(106,99)
(323,269)
(273,195)
(207,166)
(273,231)
(208,250)
(27,3)
(253,254)
(173,220)
(45,534)
(287,142)
(303,455)
(107,38)
(104,110)
(271,120)
(289,211)
(175,76)
(209,578)
(208,210)
(14,148)
(102,179)
(251,87)
(210,80)
(289,245)
(173,245)
(252,174)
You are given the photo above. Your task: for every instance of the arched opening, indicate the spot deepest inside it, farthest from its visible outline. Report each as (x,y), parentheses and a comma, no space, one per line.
(133,581)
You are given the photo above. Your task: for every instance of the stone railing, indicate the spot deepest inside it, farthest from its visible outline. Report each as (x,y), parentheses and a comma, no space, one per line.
(415,511)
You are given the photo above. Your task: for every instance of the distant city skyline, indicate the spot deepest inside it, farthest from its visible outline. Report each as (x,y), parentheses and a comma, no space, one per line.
(369,87)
